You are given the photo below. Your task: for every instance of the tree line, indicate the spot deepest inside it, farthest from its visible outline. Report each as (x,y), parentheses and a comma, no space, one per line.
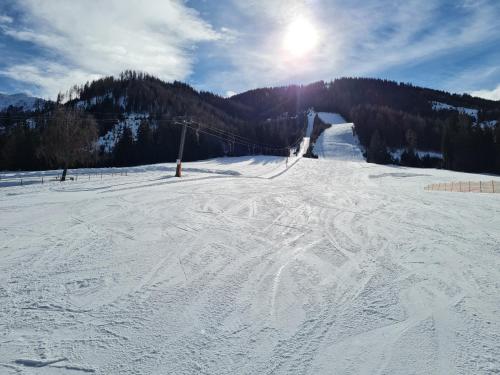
(387,115)
(106,105)
(60,138)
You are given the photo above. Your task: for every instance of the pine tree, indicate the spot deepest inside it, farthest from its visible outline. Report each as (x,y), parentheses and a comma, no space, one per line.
(124,148)
(144,145)
(377,151)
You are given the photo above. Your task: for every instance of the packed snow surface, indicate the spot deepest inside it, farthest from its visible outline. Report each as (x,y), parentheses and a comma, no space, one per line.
(331,118)
(245,267)
(337,142)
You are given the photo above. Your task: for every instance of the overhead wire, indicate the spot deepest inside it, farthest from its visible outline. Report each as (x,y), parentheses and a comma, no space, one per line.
(221,134)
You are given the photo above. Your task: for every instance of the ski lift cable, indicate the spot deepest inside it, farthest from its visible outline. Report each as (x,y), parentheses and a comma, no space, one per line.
(253,143)
(230,139)
(222,134)
(233,135)
(233,141)
(113,118)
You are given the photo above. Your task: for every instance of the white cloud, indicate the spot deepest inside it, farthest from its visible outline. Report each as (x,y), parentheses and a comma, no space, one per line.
(87,39)
(84,39)
(357,40)
(488,94)
(5,19)
(51,77)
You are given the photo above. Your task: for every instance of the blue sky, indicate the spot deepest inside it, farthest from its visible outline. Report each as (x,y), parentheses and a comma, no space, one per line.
(228,46)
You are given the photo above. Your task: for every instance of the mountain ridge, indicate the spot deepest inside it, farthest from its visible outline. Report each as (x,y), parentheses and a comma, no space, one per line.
(20,100)
(137,108)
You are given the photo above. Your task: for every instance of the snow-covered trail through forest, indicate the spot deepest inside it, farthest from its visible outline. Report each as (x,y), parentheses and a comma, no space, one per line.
(331,267)
(338,141)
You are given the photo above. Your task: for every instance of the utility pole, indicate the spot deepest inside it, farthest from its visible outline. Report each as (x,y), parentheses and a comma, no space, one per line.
(178,170)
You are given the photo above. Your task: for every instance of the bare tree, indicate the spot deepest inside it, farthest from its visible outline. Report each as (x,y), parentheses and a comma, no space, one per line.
(68,138)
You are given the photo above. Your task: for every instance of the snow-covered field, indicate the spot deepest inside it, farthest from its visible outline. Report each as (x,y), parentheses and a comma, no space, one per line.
(333,266)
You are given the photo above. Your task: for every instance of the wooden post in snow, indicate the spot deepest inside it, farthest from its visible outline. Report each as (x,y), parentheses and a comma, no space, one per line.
(178,169)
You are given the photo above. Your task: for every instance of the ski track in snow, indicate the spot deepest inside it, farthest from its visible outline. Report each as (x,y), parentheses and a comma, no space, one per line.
(333,266)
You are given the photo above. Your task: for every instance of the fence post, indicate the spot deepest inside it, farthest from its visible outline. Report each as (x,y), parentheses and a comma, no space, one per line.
(469,186)
(492,186)
(480,187)
(42,180)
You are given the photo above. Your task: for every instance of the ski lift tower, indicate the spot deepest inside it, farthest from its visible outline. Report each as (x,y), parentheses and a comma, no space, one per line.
(178,170)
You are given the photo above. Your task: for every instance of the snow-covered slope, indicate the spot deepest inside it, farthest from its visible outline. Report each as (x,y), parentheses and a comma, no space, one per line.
(396,153)
(28,103)
(438,106)
(338,141)
(329,267)
(131,121)
(488,124)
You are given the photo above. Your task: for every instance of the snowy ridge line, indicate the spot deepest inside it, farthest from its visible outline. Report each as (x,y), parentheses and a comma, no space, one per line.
(27,103)
(472,112)
(397,152)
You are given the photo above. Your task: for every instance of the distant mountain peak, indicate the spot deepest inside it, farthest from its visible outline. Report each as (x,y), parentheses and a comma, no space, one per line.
(24,101)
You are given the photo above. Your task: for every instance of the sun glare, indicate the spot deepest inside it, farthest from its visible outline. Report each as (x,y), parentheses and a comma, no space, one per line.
(301,37)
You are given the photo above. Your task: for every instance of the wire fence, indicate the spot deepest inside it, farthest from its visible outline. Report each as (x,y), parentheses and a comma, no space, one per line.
(6,181)
(467,187)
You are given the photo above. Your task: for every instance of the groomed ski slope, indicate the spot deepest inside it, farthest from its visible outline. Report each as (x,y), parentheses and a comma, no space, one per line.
(338,141)
(241,267)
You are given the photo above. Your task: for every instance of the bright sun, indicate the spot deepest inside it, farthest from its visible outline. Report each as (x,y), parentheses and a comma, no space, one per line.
(301,37)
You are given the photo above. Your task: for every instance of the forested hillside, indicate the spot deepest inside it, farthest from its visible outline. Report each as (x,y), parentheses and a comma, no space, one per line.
(453,131)
(134,118)
(137,121)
